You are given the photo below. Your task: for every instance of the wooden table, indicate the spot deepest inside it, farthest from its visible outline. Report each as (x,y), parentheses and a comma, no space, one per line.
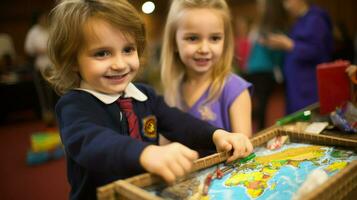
(316,117)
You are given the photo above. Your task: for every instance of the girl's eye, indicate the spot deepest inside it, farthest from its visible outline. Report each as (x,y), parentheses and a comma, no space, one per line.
(192,38)
(216,38)
(129,49)
(103,53)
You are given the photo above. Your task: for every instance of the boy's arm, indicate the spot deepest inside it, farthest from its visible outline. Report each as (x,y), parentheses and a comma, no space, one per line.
(89,141)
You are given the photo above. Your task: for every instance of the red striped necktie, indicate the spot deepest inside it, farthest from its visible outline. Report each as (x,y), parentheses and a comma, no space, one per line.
(126,106)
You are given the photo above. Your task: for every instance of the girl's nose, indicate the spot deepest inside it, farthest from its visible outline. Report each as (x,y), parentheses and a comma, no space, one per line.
(204,47)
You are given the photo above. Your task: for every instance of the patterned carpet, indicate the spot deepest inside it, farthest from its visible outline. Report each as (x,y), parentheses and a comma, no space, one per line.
(20,181)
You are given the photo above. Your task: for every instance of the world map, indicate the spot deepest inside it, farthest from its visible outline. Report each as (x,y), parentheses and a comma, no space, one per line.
(272,174)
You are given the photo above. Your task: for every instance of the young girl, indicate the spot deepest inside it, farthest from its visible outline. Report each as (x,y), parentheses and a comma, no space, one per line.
(95,46)
(196,72)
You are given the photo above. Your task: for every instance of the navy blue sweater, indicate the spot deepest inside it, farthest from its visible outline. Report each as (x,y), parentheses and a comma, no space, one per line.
(98,147)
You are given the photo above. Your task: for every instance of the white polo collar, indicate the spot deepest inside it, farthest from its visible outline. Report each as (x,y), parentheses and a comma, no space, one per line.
(130,91)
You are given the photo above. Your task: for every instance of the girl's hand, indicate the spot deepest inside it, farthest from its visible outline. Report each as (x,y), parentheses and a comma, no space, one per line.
(238,142)
(170,161)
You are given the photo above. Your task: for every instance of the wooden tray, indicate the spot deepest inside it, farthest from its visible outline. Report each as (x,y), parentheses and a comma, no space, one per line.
(336,187)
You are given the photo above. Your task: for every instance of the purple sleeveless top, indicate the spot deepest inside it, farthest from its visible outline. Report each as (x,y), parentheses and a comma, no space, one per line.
(217,111)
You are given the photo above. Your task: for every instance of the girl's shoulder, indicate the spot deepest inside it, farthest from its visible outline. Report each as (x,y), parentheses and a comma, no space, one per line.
(234,85)
(234,79)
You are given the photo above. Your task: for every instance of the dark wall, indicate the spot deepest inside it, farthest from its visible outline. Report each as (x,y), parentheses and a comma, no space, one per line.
(16,15)
(16,18)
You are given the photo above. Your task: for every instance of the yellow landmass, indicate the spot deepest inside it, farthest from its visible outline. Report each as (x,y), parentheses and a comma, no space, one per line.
(206,197)
(256,192)
(241,178)
(336,166)
(268,170)
(298,154)
(255,182)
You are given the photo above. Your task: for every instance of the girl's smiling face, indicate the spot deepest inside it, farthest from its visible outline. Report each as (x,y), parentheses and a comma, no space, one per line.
(109,60)
(200,39)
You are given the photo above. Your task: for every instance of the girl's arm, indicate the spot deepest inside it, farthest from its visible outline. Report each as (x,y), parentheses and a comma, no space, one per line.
(240,114)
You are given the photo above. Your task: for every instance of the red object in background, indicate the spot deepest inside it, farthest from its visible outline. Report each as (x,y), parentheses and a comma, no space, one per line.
(333,85)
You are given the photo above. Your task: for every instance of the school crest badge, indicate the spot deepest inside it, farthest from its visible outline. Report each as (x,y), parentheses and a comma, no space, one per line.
(150,126)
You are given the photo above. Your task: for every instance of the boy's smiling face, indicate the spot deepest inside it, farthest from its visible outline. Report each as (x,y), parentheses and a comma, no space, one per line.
(109,60)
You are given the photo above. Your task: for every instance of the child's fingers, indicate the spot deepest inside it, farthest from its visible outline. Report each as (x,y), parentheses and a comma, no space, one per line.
(242,149)
(189,153)
(181,165)
(177,169)
(238,152)
(185,163)
(167,175)
(249,147)
(224,146)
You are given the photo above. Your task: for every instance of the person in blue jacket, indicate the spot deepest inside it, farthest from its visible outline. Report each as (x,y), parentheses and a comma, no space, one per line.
(96,47)
(308,44)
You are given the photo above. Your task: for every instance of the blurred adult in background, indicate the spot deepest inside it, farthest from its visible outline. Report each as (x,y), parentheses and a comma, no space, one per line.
(7,52)
(308,44)
(263,61)
(36,47)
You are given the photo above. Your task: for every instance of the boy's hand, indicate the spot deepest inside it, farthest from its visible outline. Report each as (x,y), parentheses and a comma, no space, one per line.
(238,142)
(170,161)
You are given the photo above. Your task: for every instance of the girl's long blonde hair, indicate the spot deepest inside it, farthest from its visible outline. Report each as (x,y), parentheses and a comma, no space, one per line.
(172,68)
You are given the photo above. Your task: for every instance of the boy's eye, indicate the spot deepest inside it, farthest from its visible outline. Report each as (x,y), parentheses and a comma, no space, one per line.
(102,53)
(129,49)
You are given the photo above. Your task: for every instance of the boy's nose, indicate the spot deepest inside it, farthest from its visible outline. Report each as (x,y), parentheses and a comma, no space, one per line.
(118,63)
